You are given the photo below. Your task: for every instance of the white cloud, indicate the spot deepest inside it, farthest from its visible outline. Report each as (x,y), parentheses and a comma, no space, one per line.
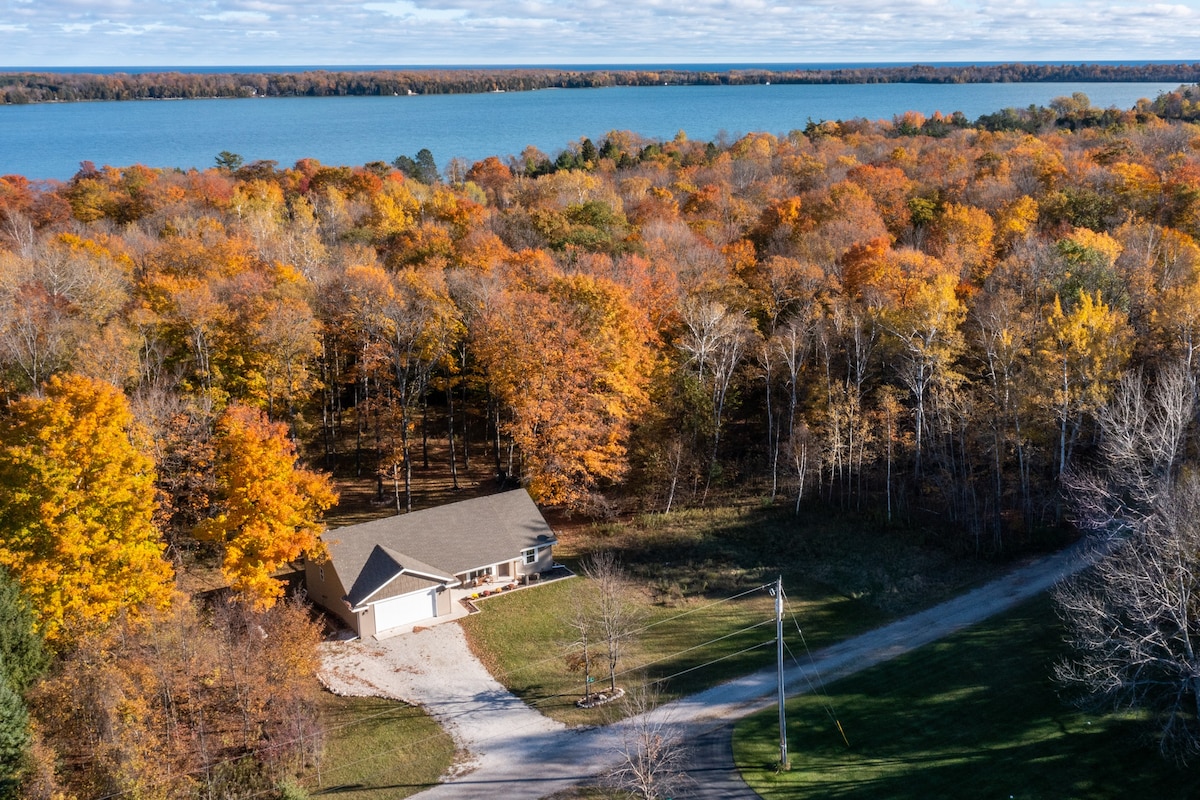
(239,17)
(407,10)
(97,32)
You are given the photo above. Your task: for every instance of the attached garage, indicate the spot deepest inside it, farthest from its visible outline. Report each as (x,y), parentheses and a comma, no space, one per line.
(406,609)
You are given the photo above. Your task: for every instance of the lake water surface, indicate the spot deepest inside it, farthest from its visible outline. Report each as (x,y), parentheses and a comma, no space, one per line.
(50,141)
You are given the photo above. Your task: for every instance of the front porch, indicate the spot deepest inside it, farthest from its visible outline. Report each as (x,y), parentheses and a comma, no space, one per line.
(468,597)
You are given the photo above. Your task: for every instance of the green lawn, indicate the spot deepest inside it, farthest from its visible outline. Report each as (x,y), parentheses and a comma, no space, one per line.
(975,715)
(522,637)
(681,564)
(379,749)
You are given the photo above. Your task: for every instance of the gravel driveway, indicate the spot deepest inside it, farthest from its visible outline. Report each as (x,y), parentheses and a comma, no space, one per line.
(520,754)
(435,669)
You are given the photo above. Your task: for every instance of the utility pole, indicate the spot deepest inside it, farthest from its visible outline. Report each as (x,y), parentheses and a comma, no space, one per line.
(783,751)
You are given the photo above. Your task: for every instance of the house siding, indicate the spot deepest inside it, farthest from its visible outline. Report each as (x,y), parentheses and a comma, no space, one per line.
(366,622)
(325,589)
(404,584)
(545,560)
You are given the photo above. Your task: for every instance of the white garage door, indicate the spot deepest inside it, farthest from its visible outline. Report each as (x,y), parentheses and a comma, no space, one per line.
(405,609)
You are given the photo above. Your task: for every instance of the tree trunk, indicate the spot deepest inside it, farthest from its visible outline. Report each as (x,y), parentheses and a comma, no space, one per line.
(425,431)
(450,432)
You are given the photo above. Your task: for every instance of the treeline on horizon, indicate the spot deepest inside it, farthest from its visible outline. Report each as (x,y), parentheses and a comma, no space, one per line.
(43,87)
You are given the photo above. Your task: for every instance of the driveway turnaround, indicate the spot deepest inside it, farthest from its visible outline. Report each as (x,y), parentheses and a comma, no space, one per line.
(435,669)
(518,753)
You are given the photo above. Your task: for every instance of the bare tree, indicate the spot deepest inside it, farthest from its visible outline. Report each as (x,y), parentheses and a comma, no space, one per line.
(581,652)
(651,751)
(1132,620)
(1141,436)
(1133,625)
(715,341)
(616,617)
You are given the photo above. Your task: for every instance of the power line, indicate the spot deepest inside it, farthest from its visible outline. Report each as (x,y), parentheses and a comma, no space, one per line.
(715,660)
(509,673)
(821,693)
(695,647)
(702,608)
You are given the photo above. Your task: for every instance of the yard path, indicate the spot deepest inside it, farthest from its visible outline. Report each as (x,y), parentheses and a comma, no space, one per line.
(520,754)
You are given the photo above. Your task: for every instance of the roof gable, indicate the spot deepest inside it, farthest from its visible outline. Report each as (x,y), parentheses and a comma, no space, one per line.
(377,571)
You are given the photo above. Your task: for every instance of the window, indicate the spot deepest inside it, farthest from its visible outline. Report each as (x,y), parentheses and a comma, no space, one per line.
(321,573)
(531,555)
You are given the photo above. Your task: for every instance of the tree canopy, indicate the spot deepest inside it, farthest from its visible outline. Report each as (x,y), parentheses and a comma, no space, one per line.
(77,506)
(269,508)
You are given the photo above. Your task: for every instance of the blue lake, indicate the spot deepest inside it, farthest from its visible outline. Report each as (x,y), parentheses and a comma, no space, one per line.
(50,141)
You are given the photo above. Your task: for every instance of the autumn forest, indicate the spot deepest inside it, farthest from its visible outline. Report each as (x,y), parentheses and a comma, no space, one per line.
(916,319)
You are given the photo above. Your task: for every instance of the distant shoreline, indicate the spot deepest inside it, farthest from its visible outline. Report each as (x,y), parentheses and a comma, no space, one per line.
(62,86)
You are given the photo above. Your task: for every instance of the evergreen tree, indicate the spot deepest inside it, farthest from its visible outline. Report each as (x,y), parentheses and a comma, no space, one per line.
(14,736)
(22,654)
(22,660)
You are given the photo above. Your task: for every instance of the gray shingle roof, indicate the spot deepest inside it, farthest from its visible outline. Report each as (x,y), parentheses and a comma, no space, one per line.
(439,542)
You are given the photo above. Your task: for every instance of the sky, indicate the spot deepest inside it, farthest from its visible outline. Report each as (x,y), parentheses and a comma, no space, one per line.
(141,33)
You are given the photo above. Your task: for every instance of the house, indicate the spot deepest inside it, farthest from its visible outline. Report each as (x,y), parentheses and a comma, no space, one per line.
(398,571)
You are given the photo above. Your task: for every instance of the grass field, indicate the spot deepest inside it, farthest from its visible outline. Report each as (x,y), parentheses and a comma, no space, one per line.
(975,715)
(721,551)
(523,639)
(379,749)
(684,565)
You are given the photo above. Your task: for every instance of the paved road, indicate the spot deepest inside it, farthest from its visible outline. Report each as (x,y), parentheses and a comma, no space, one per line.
(711,772)
(529,763)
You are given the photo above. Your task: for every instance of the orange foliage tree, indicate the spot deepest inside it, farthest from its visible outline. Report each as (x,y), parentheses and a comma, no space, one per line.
(269,509)
(568,357)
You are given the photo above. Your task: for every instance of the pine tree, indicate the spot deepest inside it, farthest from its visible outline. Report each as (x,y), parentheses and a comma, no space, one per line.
(14,737)
(22,653)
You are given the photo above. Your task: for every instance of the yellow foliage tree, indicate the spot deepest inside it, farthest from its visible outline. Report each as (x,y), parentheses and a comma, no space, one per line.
(926,331)
(964,237)
(76,508)
(1080,355)
(270,507)
(1014,220)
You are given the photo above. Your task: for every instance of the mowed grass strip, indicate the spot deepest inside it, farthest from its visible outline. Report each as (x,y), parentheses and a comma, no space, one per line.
(523,638)
(379,749)
(975,715)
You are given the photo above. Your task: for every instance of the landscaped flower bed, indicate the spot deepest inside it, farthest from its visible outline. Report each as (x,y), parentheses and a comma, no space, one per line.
(490,592)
